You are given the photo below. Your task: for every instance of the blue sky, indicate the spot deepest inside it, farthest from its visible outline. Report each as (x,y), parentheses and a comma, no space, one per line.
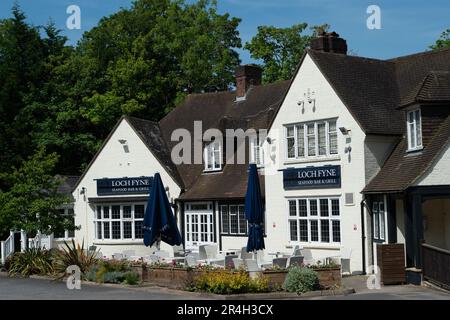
(407,26)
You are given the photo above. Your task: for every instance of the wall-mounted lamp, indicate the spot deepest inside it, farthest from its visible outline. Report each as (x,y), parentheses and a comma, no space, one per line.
(83,191)
(309,96)
(124,144)
(269,140)
(344,130)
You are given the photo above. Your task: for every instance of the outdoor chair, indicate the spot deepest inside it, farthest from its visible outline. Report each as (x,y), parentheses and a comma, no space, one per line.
(227,262)
(211,253)
(129,253)
(202,252)
(162,255)
(280,262)
(343,259)
(151,259)
(98,255)
(252,267)
(307,256)
(238,262)
(260,260)
(246,255)
(296,261)
(190,261)
(117,256)
(295,252)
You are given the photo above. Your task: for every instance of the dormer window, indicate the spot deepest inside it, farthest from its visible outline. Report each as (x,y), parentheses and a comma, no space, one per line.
(212,155)
(414,130)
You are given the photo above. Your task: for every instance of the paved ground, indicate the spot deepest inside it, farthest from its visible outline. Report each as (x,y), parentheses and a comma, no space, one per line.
(40,289)
(405,292)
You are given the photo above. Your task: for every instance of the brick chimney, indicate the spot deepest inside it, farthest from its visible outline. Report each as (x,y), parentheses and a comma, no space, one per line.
(246,76)
(329,42)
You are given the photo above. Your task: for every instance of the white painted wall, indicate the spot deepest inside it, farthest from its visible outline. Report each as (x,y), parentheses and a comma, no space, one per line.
(400,219)
(439,172)
(377,149)
(328,105)
(113,162)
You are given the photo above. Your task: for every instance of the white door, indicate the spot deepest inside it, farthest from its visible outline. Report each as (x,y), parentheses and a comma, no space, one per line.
(199,224)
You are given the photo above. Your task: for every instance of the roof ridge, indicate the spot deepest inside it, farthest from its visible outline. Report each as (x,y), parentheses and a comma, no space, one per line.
(348,56)
(141,119)
(428,52)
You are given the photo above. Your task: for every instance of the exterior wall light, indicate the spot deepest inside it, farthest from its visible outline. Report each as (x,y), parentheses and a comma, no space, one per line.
(125,146)
(344,130)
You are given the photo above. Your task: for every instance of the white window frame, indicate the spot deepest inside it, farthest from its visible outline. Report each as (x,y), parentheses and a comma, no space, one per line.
(315,136)
(330,218)
(209,156)
(109,220)
(240,209)
(379,221)
(66,215)
(414,130)
(191,227)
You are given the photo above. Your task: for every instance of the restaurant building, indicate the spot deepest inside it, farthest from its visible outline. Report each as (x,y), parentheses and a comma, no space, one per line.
(356,154)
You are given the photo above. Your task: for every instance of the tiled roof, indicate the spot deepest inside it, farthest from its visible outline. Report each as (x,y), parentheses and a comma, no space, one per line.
(402,169)
(367,87)
(151,135)
(221,110)
(412,70)
(435,88)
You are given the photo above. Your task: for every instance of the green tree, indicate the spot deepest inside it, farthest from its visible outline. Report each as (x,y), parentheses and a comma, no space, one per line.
(139,61)
(280,49)
(21,56)
(32,201)
(443,41)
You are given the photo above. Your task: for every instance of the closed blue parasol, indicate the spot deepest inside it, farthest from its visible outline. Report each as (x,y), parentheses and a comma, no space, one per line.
(254,211)
(159,222)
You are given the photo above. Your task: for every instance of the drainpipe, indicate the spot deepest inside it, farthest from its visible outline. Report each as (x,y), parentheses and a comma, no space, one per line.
(363,235)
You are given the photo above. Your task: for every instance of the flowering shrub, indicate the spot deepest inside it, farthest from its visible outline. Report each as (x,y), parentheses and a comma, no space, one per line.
(228,282)
(301,280)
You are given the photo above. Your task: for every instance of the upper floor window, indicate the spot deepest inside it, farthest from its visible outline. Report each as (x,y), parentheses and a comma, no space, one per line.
(212,155)
(256,151)
(313,139)
(414,129)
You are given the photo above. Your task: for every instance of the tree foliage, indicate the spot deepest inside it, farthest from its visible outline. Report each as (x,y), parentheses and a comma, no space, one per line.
(281,49)
(32,202)
(443,41)
(139,61)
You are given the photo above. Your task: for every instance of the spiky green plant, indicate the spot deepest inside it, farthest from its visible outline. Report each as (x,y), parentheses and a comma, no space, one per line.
(31,261)
(74,254)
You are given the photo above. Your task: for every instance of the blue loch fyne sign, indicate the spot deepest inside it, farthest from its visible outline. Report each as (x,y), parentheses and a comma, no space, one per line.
(312,177)
(124,185)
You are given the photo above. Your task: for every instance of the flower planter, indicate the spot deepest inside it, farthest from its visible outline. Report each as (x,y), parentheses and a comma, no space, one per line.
(276,278)
(176,278)
(328,277)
